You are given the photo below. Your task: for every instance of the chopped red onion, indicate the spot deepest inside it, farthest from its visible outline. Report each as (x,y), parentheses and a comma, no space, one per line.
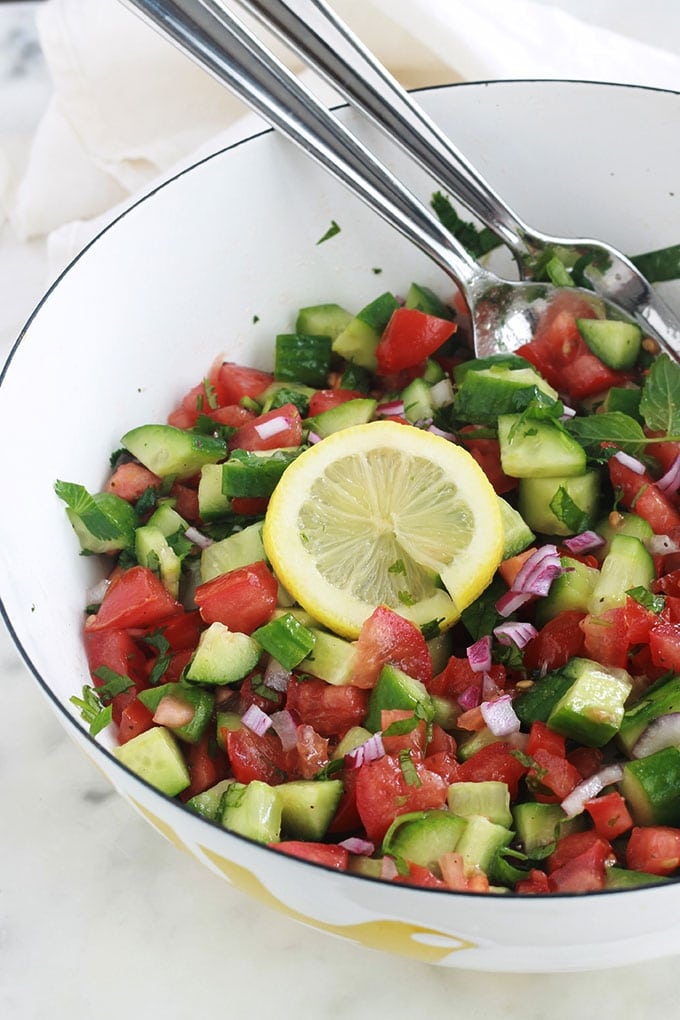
(662,732)
(539,571)
(630,462)
(500,716)
(661,545)
(574,803)
(519,633)
(172,711)
(272,427)
(276,676)
(441,433)
(511,601)
(313,438)
(567,412)
(198,538)
(391,407)
(370,750)
(95,594)
(256,720)
(470,697)
(355,845)
(441,393)
(285,727)
(388,869)
(479,654)
(670,481)
(584,542)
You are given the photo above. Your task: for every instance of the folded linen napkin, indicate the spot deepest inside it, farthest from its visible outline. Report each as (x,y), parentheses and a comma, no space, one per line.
(128,109)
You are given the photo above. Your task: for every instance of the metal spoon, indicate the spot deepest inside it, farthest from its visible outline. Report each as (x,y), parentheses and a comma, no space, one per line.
(503,313)
(323,40)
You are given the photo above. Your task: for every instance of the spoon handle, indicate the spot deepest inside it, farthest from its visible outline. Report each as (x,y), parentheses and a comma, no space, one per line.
(319,36)
(222,45)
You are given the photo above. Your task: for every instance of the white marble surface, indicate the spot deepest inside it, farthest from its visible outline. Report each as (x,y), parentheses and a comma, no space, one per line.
(99,916)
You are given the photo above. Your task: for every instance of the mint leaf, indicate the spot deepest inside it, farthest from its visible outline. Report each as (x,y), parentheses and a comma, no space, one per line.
(568,512)
(612,427)
(660,401)
(331,232)
(646,598)
(86,507)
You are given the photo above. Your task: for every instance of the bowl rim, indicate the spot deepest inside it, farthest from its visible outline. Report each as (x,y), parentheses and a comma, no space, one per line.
(69,721)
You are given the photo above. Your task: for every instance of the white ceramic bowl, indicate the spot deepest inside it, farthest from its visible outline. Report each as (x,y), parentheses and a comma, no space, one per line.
(141,314)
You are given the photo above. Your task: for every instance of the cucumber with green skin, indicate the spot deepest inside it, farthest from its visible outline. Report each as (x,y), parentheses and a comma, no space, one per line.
(616,344)
(166,450)
(538,449)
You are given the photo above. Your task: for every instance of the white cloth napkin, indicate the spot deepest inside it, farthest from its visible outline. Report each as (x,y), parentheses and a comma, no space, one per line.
(129,110)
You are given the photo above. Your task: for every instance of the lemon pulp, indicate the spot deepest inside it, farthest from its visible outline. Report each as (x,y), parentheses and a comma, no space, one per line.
(386,514)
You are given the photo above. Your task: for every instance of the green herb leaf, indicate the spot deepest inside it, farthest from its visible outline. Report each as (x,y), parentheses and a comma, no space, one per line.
(478,241)
(331,232)
(79,500)
(646,598)
(158,641)
(408,769)
(431,629)
(660,403)
(114,683)
(91,710)
(569,512)
(610,427)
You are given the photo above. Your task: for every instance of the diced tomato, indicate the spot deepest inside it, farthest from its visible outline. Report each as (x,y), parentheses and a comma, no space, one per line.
(207,764)
(557,641)
(409,337)
(253,692)
(536,883)
(418,875)
(669,584)
(346,817)
(573,845)
(585,873)
(330,710)
(640,494)
(542,738)
(510,568)
(135,598)
(233,382)
(176,664)
(312,751)
(553,777)
(279,427)
(186,502)
(387,637)
(135,718)
(242,599)
(487,453)
(255,756)
(413,740)
(250,506)
(383,793)
(324,400)
(610,815)
(329,854)
(181,630)
(494,762)
(231,415)
(610,635)
(654,849)
(119,652)
(458,675)
(588,760)
(664,644)
(664,453)
(445,765)
(440,741)
(131,480)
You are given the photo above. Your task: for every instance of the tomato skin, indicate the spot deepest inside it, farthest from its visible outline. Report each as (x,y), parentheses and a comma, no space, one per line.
(328,854)
(131,480)
(654,849)
(610,815)
(136,598)
(557,641)
(487,453)
(554,778)
(536,883)
(664,644)
(542,738)
(640,494)
(248,437)
(330,710)
(207,766)
(423,877)
(324,400)
(387,637)
(233,382)
(409,337)
(182,630)
(458,675)
(135,718)
(254,756)
(383,793)
(242,599)
(494,762)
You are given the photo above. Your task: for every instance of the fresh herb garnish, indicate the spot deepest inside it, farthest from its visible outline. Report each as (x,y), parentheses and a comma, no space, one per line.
(146,502)
(611,427)
(659,404)
(478,241)
(158,640)
(408,769)
(331,232)
(91,710)
(113,683)
(568,512)
(646,598)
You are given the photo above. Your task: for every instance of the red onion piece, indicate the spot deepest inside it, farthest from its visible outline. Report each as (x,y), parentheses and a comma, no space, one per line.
(370,750)
(584,542)
(198,538)
(272,427)
(500,716)
(441,393)
(511,601)
(479,654)
(276,676)
(662,732)
(390,407)
(630,462)
(172,711)
(355,845)
(661,545)
(441,433)
(490,688)
(96,593)
(670,481)
(388,869)
(313,438)
(574,803)
(567,412)
(470,697)
(538,571)
(285,727)
(519,633)
(256,720)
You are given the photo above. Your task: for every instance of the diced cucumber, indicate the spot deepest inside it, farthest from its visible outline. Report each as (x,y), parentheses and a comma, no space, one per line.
(222,656)
(625,399)
(470,745)
(302,357)
(396,689)
(480,842)
(624,878)
(433,372)
(535,496)
(253,811)
(627,565)
(512,361)
(358,340)
(537,702)
(570,590)
(331,659)
(425,300)
(323,320)
(209,803)
(212,503)
(538,449)
(486,394)
(308,806)
(490,799)
(286,639)
(199,700)
(417,401)
(518,534)
(153,551)
(343,416)
(540,825)
(237,550)
(441,650)
(423,837)
(622,523)
(616,344)
(226,722)
(353,738)
(591,710)
(155,756)
(102,521)
(651,787)
(659,701)
(280,393)
(167,450)
(254,474)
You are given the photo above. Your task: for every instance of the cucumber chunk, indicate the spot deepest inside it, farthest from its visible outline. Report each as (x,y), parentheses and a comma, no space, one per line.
(616,344)
(102,521)
(518,536)
(659,701)
(570,590)
(343,416)
(592,709)
(222,656)
(651,787)
(308,806)
(627,565)
(323,320)
(486,394)
(490,799)
(155,756)
(237,550)
(167,450)
(396,689)
(331,659)
(359,339)
(253,811)
(423,837)
(538,449)
(209,803)
(536,496)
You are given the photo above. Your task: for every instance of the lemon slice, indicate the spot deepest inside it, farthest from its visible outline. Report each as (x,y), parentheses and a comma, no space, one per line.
(383,514)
